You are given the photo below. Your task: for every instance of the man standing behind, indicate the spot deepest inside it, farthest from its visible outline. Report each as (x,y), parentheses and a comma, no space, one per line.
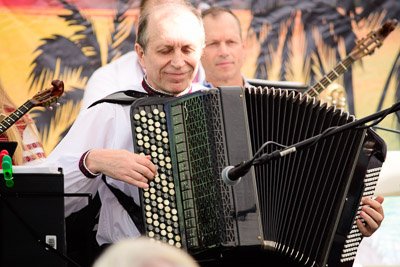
(222,60)
(224,53)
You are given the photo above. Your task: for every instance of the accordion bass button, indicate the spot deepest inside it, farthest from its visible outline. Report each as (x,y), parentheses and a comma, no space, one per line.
(136,116)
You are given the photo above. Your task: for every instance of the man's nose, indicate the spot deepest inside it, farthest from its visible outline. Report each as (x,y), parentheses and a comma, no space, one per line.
(177,60)
(223,50)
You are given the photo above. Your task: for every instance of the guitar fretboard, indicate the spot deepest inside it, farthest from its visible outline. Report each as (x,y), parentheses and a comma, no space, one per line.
(338,70)
(15,116)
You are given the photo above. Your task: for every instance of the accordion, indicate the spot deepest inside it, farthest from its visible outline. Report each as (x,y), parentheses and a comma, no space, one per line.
(301,208)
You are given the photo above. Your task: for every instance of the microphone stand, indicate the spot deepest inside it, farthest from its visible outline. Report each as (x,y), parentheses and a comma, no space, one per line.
(232,174)
(327,133)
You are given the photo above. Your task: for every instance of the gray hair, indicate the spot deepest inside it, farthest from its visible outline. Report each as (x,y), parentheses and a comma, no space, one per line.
(142,37)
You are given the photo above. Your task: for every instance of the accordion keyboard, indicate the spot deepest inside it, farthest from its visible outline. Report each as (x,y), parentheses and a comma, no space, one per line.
(159,200)
(354,237)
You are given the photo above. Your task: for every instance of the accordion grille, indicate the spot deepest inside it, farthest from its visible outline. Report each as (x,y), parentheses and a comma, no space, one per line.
(301,194)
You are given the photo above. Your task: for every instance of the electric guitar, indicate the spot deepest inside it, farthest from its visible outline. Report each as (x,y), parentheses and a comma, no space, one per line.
(44,98)
(365,46)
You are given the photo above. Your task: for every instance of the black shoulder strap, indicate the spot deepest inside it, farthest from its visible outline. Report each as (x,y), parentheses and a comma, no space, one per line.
(134,211)
(129,205)
(122,97)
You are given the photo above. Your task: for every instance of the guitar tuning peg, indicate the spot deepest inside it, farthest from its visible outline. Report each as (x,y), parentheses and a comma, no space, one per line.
(50,108)
(57,104)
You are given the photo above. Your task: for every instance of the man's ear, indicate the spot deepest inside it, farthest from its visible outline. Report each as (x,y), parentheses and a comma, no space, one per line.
(140,53)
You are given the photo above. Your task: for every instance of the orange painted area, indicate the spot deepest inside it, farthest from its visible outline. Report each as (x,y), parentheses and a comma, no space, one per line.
(22,30)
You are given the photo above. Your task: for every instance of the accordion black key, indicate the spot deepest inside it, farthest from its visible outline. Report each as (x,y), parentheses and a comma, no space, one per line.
(301,208)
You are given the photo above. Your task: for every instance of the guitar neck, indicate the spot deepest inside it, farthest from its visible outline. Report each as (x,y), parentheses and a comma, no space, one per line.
(338,70)
(15,116)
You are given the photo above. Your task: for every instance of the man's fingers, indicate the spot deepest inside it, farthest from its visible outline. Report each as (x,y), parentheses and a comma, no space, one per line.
(374,214)
(145,161)
(362,228)
(144,171)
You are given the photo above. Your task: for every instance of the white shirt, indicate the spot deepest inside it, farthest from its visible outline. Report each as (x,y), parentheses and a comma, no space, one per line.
(124,73)
(104,126)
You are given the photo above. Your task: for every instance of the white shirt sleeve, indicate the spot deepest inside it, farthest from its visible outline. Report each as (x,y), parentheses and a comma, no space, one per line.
(122,74)
(96,128)
(104,126)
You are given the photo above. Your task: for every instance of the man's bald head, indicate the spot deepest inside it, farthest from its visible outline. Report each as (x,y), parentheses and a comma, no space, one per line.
(160,11)
(169,44)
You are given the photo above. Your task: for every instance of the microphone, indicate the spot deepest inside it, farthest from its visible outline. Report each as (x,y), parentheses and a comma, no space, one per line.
(231,175)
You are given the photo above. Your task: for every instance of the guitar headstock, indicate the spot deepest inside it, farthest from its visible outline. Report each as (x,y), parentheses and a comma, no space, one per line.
(50,96)
(374,39)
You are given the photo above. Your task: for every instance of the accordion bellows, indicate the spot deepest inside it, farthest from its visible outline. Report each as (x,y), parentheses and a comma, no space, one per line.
(301,207)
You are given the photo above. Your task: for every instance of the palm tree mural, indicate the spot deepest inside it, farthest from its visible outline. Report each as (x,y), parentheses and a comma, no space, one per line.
(73,59)
(297,40)
(326,24)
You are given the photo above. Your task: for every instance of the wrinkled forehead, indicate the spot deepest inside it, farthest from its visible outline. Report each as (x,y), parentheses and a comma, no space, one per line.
(179,27)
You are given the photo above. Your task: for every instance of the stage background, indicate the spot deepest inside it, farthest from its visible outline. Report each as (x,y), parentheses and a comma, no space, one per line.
(300,41)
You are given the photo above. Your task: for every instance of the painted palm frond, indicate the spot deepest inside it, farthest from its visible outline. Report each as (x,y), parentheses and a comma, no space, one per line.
(331,25)
(390,9)
(375,13)
(73,59)
(85,38)
(56,55)
(123,36)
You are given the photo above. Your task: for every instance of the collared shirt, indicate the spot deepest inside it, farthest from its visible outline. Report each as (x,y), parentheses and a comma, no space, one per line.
(209,85)
(124,73)
(103,126)
(152,91)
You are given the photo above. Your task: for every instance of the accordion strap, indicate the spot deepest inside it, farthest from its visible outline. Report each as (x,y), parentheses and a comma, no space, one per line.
(129,205)
(122,97)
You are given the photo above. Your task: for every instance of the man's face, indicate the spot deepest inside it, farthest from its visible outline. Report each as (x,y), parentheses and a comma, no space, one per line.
(173,51)
(223,54)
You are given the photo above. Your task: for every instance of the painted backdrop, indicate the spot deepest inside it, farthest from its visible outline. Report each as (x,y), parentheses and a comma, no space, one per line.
(287,40)
(300,41)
